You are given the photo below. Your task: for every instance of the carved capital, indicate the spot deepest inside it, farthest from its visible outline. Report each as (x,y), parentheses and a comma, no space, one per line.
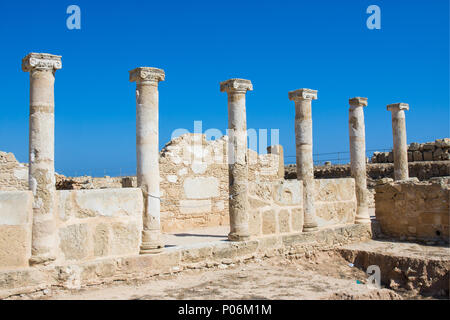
(236,85)
(397,106)
(41,61)
(303,94)
(147,74)
(358,102)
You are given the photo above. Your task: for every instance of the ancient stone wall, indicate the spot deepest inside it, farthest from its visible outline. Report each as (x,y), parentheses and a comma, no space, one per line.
(335,201)
(430,151)
(87,182)
(13,174)
(15,228)
(276,207)
(422,170)
(414,210)
(194,181)
(98,223)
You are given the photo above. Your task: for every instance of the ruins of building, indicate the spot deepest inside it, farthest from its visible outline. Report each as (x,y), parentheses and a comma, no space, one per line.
(72,238)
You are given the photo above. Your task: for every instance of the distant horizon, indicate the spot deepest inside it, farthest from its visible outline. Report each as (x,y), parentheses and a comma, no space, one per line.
(283,46)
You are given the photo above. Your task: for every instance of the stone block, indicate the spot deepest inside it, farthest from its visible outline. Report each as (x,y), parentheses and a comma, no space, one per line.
(297,219)
(196,253)
(410,157)
(102,240)
(284,221)
(390,157)
(15,207)
(125,238)
(15,228)
(429,146)
(201,187)
(334,189)
(417,156)
(195,206)
(414,146)
(100,203)
(74,241)
(428,156)
(288,192)
(15,246)
(337,212)
(254,222)
(437,154)
(269,222)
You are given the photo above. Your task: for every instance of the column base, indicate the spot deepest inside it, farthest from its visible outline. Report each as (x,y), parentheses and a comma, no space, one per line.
(238,237)
(310,229)
(362,220)
(151,242)
(151,249)
(44,259)
(362,215)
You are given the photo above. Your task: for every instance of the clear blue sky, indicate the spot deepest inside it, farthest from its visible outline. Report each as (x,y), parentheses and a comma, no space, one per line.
(278,45)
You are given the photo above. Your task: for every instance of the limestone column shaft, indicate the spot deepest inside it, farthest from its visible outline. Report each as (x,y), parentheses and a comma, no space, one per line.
(399,137)
(237,157)
(42,69)
(304,152)
(358,157)
(147,153)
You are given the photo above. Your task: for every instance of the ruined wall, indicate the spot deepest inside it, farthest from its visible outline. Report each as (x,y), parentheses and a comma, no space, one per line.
(276,207)
(422,170)
(99,223)
(335,201)
(15,228)
(87,182)
(413,209)
(430,151)
(194,181)
(13,174)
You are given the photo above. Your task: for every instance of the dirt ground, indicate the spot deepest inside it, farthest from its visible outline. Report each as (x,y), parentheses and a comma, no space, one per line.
(322,276)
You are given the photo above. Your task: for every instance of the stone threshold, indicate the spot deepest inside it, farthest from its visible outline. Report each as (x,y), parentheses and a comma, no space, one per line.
(75,276)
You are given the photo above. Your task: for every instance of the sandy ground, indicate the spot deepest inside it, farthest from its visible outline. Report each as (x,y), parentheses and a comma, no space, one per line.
(323,276)
(196,236)
(205,235)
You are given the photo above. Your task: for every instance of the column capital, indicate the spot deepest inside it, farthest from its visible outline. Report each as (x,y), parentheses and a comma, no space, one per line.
(397,106)
(147,74)
(358,102)
(236,85)
(303,94)
(41,61)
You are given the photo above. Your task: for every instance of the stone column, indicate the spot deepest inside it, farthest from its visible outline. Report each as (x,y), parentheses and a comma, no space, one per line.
(304,152)
(42,67)
(278,150)
(399,136)
(147,153)
(357,135)
(237,157)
